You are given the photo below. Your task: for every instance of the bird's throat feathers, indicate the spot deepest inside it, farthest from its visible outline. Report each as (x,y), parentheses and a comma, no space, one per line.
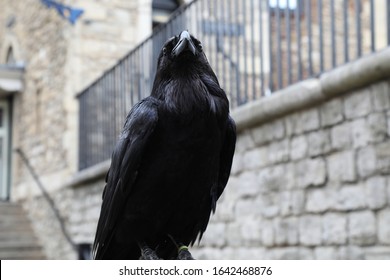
(193,95)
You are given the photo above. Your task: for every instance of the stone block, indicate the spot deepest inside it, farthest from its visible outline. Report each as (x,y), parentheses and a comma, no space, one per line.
(268,233)
(331,112)
(298,147)
(384,226)
(278,151)
(291,202)
(310,230)
(237,164)
(334,229)
(350,198)
(244,185)
(378,127)
(377,253)
(278,177)
(310,172)
(286,231)
(270,204)
(215,236)
(357,104)
(362,228)
(341,167)
(244,141)
(361,134)
(255,158)
(366,162)
(341,137)
(325,253)
(380,93)
(251,231)
(268,132)
(320,200)
(290,253)
(350,252)
(382,152)
(375,192)
(302,122)
(233,234)
(319,142)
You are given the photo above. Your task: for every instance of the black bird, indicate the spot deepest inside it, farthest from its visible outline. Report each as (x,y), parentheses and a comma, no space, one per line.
(171,163)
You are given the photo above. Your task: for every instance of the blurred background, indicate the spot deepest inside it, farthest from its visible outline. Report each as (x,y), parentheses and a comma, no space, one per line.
(311,174)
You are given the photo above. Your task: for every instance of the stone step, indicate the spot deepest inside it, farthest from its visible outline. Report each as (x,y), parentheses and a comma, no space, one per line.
(17,239)
(22,254)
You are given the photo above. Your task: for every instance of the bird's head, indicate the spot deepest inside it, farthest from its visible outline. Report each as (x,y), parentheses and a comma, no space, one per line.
(182,55)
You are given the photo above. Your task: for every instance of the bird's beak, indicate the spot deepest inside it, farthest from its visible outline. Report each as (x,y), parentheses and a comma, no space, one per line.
(185,42)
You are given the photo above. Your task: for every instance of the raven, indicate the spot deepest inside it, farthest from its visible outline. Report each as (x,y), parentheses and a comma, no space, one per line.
(171,163)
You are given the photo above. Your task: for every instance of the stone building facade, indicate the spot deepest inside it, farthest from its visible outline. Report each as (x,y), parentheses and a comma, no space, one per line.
(312,162)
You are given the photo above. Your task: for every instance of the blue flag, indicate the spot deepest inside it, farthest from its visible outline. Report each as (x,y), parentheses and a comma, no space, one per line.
(71,14)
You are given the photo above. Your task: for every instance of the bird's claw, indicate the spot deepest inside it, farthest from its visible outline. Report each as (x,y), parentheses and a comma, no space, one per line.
(184,254)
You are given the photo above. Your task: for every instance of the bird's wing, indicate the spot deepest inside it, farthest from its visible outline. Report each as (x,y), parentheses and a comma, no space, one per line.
(226,159)
(126,158)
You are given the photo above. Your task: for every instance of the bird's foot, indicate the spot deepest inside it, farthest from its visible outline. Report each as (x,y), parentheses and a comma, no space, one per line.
(147,253)
(184,254)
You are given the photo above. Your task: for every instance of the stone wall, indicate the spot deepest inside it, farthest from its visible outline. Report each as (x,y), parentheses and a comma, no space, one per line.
(310,178)
(312,183)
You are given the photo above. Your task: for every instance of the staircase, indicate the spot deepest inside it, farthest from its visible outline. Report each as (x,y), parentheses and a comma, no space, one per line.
(17,239)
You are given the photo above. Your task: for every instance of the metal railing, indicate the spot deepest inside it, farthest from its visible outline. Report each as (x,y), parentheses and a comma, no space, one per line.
(255,47)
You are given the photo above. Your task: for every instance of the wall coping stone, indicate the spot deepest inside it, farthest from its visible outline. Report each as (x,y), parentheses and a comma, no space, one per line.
(338,81)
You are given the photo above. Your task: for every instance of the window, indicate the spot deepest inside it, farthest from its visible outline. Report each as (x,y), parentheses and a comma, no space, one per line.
(4,151)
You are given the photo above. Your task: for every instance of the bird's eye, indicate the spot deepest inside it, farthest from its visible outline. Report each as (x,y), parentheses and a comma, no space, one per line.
(165,51)
(200,47)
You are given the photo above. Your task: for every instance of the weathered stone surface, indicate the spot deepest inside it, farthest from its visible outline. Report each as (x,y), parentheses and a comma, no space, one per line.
(278,177)
(215,235)
(325,253)
(268,132)
(298,147)
(286,231)
(382,152)
(341,137)
(320,200)
(381,96)
(331,112)
(292,202)
(350,252)
(251,231)
(268,233)
(377,253)
(244,141)
(255,158)
(341,167)
(378,127)
(319,142)
(366,161)
(310,172)
(278,151)
(361,134)
(334,229)
(238,163)
(384,226)
(310,230)
(290,253)
(376,192)
(350,198)
(357,104)
(362,228)
(270,204)
(302,122)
